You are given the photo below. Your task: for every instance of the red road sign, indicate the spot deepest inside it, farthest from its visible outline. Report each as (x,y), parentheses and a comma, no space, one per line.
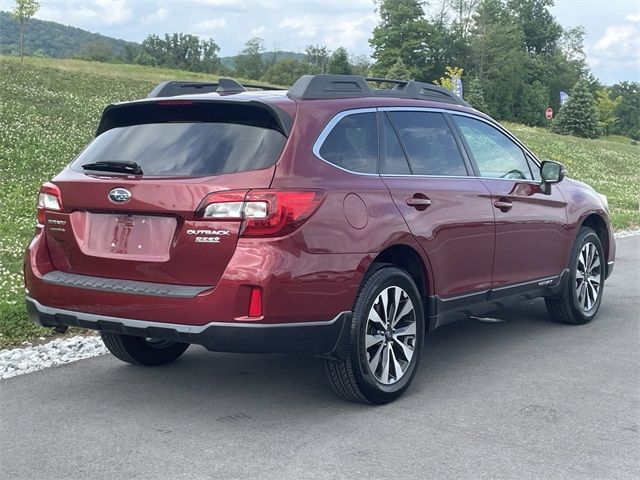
(548,113)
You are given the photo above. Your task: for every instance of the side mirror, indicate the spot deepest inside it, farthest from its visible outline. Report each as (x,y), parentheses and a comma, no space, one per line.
(551,172)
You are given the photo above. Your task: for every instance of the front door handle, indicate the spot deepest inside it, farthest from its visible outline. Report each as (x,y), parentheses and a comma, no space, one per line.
(503,205)
(419,201)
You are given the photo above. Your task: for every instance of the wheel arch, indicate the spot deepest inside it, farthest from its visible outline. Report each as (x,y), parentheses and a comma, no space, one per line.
(410,260)
(599,225)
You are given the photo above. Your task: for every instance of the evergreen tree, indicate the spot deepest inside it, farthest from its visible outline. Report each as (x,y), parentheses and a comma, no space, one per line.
(339,62)
(399,71)
(474,96)
(578,116)
(403,33)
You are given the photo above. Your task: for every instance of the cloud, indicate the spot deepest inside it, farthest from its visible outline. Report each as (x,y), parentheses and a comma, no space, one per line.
(633,17)
(617,35)
(303,25)
(348,33)
(617,51)
(155,17)
(207,28)
(114,12)
(99,12)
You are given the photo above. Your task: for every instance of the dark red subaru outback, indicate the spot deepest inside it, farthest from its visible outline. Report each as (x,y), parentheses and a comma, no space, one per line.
(331,219)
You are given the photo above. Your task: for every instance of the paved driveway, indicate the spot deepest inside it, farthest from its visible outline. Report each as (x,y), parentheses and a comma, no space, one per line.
(521,399)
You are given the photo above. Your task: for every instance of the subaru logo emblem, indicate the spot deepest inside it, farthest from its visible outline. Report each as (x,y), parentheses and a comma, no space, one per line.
(120,195)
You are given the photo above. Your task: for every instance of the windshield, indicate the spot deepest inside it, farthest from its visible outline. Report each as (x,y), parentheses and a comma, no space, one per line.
(186,148)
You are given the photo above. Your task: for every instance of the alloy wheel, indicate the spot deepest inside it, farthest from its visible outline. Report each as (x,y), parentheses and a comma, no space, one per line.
(390,335)
(588,276)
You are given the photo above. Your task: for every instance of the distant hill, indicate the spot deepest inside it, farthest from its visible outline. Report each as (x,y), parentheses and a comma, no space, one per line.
(50,39)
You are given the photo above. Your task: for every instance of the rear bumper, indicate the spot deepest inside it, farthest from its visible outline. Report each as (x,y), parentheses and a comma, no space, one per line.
(323,338)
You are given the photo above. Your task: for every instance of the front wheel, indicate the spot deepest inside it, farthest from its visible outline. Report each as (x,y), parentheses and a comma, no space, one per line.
(386,340)
(140,350)
(581,296)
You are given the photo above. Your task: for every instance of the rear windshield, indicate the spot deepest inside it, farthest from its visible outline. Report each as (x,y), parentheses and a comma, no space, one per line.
(188,145)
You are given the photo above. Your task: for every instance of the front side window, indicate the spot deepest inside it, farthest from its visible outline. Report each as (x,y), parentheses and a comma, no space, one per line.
(496,155)
(352,144)
(429,143)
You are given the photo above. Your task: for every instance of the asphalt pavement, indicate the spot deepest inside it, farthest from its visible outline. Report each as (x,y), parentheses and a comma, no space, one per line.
(523,398)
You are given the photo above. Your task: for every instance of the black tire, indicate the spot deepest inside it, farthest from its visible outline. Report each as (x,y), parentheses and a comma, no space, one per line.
(568,307)
(140,351)
(353,378)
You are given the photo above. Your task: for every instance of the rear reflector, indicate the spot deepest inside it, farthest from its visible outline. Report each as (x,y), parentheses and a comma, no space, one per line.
(264,213)
(255,302)
(49,198)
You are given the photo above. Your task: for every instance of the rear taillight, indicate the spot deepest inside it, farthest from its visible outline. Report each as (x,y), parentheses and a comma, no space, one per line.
(264,213)
(49,198)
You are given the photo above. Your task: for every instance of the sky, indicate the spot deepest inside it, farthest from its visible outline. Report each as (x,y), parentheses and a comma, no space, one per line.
(612,41)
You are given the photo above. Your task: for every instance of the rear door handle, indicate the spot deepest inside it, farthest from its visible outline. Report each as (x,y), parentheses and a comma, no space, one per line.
(419,201)
(503,205)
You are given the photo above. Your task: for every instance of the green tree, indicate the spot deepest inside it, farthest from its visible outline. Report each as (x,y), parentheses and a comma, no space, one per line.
(248,63)
(498,58)
(318,57)
(541,30)
(403,33)
(474,96)
(607,107)
(535,100)
(628,111)
(339,62)
(578,116)
(22,12)
(286,71)
(360,65)
(183,51)
(399,71)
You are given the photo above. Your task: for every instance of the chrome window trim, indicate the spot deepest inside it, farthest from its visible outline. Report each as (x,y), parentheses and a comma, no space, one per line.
(412,109)
(340,115)
(327,130)
(500,128)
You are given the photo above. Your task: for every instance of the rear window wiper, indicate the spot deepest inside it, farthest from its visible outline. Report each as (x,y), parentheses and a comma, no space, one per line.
(114,166)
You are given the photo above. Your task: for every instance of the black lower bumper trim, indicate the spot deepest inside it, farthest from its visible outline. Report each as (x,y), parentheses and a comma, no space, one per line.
(323,338)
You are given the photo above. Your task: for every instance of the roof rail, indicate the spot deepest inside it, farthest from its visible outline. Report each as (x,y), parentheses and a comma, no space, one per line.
(348,86)
(224,86)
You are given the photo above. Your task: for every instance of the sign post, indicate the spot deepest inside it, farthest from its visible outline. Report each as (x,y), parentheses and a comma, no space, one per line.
(548,113)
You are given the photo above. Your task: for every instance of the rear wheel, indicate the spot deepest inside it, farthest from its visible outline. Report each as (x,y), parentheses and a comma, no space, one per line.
(140,350)
(386,340)
(579,301)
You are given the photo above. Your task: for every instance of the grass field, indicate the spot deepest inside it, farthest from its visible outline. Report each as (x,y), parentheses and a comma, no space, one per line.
(49,110)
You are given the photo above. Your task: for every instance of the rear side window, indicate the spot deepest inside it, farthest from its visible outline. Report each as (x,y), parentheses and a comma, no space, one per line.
(183,141)
(352,144)
(496,155)
(429,143)
(394,160)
